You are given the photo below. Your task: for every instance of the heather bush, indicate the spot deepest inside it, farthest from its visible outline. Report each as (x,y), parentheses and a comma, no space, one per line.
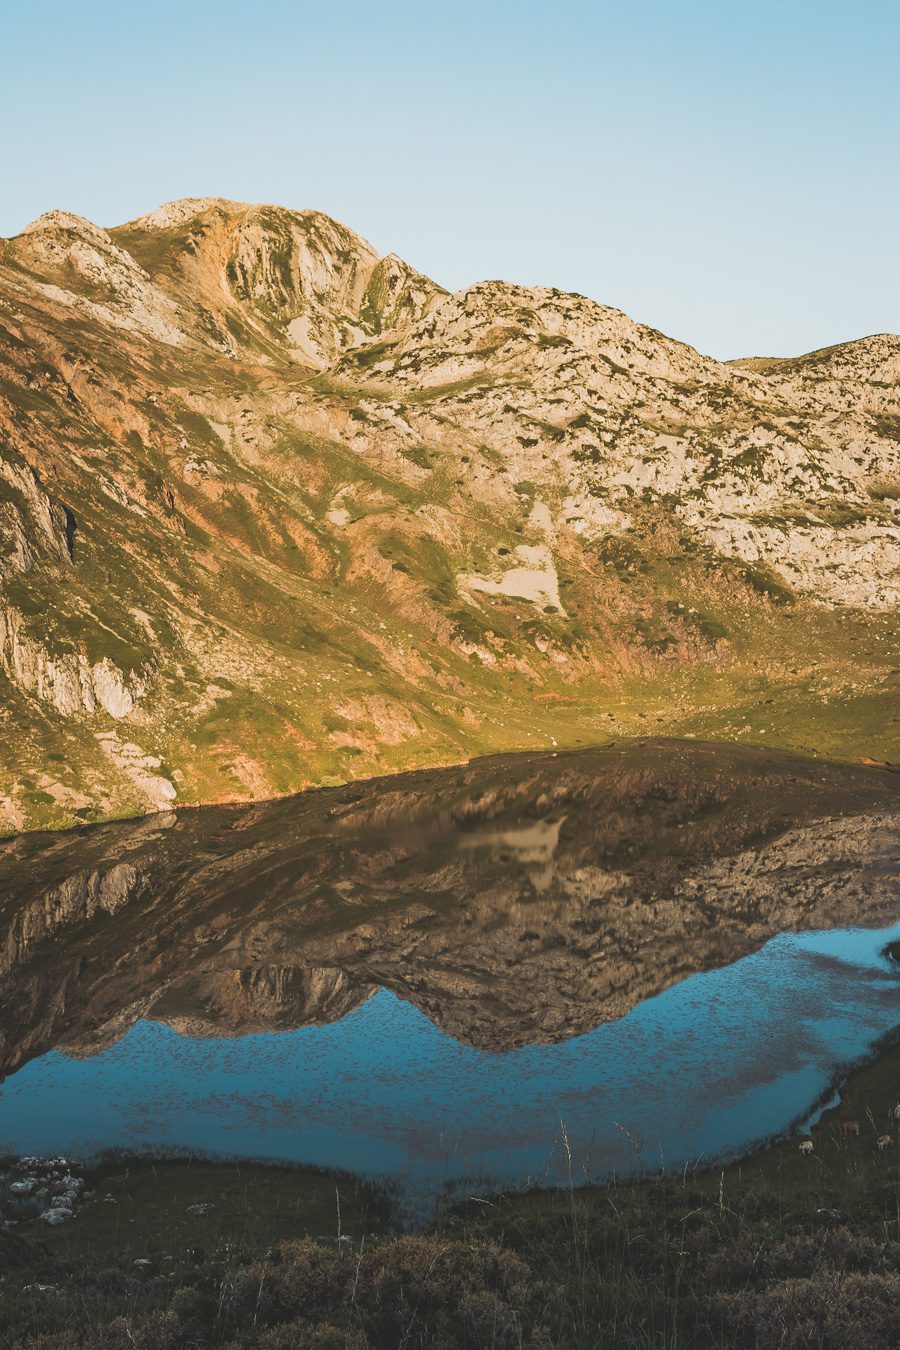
(301,1279)
(826,1311)
(432,1293)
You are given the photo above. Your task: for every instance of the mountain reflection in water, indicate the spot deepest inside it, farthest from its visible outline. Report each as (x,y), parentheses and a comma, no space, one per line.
(455,961)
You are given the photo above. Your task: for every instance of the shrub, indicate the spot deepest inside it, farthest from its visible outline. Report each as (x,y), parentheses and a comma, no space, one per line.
(827,1311)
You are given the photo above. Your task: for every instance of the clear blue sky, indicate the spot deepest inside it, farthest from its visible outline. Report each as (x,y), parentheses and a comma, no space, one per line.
(728,172)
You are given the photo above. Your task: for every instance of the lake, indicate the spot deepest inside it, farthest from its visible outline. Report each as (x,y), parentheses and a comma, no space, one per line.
(521,970)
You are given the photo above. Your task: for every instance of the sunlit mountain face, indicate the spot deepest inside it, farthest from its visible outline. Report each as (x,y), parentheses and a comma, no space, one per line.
(277,512)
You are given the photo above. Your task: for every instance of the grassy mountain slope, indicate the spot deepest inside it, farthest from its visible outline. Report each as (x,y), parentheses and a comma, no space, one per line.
(275,511)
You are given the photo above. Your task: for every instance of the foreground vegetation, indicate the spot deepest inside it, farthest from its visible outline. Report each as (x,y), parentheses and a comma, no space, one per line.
(783,1250)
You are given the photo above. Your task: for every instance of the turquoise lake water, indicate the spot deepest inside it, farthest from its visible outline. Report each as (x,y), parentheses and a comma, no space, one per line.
(649,954)
(717,1062)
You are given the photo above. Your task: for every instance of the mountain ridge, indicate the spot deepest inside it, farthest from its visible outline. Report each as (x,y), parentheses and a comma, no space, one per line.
(276,510)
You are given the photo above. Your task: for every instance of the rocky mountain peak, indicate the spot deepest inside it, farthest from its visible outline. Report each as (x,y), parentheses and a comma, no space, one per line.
(277,510)
(182,209)
(67,222)
(277,281)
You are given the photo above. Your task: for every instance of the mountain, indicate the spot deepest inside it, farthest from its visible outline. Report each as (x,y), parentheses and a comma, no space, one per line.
(277,512)
(522,899)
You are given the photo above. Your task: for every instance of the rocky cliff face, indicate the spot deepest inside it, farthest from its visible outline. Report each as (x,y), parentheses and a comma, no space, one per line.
(519,899)
(277,511)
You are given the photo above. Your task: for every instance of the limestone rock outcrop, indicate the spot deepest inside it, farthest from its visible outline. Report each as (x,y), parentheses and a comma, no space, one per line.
(266,496)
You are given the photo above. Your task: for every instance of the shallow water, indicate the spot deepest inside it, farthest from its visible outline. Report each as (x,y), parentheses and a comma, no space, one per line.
(590,962)
(713,1065)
